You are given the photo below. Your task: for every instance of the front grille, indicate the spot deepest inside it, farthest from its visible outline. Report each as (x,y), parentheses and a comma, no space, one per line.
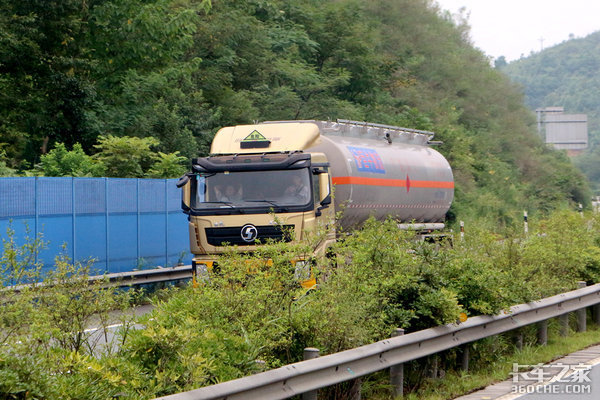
(233,235)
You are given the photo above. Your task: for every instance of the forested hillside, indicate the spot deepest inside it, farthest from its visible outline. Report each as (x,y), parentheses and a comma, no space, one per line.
(566,75)
(86,73)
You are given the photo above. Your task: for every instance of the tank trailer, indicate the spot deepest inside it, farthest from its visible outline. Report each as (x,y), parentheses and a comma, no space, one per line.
(275,180)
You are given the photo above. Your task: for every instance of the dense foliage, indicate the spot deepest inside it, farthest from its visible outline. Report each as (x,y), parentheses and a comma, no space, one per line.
(566,75)
(176,71)
(235,323)
(133,88)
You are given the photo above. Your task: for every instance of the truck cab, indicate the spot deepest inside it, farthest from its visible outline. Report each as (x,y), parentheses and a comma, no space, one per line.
(256,186)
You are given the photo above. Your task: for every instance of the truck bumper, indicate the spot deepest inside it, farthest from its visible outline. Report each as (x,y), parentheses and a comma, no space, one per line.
(202,268)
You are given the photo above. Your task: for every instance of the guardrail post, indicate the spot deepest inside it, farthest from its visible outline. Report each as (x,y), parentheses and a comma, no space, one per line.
(596,314)
(309,354)
(397,371)
(564,324)
(518,339)
(582,313)
(542,333)
(355,389)
(435,364)
(464,362)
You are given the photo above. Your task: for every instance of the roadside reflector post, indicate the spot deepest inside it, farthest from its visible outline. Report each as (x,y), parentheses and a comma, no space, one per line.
(525,225)
(582,313)
(309,354)
(542,333)
(397,372)
(462,230)
(564,324)
(581,209)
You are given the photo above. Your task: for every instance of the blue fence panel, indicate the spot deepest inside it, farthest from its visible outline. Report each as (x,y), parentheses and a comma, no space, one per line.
(17,197)
(123,243)
(152,238)
(17,204)
(56,231)
(153,209)
(120,224)
(54,217)
(177,238)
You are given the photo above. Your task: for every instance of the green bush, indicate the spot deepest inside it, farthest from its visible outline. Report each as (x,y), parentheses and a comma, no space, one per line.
(44,321)
(250,315)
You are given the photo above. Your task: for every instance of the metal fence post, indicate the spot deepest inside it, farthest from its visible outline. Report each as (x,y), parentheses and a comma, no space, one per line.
(166,224)
(542,333)
(37,214)
(564,324)
(137,205)
(106,225)
(397,371)
(582,313)
(309,354)
(73,223)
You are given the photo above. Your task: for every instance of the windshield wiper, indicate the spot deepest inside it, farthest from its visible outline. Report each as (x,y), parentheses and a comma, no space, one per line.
(267,201)
(227,203)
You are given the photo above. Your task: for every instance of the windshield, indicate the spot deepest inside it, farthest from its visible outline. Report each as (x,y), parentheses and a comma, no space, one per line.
(246,189)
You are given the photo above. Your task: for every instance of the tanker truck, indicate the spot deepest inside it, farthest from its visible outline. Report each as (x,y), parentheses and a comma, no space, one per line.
(278,180)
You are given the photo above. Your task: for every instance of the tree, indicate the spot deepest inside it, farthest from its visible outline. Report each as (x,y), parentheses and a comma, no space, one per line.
(61,162)
(168,166)
(5,170)
(147,71)
(126,157)
(177,71)
(45,95)
(500,62)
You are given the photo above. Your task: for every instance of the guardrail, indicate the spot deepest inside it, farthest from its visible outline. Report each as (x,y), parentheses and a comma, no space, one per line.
(310,375)
(161,274)
(130,278)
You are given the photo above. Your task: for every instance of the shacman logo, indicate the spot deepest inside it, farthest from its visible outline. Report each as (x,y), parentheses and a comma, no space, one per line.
(249,233)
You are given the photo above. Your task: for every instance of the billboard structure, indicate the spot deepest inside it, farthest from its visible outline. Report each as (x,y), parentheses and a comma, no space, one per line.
(563,131)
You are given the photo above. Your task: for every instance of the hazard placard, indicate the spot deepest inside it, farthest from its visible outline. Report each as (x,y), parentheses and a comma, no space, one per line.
(255,140)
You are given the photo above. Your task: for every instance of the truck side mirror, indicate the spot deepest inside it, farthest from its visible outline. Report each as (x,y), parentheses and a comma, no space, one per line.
(184,184)
(324,204)
(324,189)
(183,181)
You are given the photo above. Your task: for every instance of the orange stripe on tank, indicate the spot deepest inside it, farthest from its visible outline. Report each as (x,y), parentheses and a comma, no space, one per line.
(358,180)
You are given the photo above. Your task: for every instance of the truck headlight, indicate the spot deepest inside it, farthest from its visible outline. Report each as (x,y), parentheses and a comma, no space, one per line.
(302,270)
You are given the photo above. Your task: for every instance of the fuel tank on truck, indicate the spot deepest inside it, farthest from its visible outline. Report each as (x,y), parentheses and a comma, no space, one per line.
(381,172)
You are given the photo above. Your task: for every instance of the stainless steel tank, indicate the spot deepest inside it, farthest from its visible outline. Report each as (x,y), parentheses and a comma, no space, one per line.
(371,176)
